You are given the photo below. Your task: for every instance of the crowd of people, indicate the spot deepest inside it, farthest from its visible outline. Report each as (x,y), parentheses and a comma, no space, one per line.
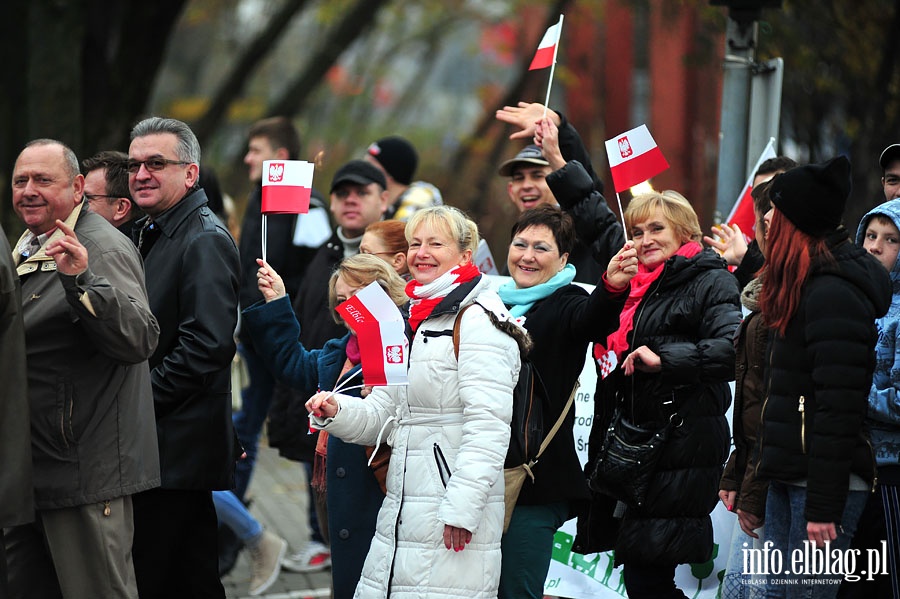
(126,299)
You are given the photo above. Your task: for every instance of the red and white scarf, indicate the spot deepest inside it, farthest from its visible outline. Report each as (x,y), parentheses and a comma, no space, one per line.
(640,284)
(424,298)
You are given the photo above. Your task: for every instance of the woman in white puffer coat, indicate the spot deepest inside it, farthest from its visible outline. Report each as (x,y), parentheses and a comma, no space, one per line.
(439,529)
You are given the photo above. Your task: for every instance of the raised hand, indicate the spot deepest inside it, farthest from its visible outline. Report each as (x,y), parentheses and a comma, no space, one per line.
(269,282)
(546,137)
(622,267)
(70,256)
(525,116)
(729,242)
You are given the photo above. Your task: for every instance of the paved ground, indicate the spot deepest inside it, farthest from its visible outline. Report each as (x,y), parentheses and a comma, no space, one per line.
(280,501)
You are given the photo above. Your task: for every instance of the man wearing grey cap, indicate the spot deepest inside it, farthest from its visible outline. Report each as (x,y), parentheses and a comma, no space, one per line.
(563,178)
(890,171)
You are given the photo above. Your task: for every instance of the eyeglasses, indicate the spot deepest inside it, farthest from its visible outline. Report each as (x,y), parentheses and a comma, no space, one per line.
(157,163)
(90,197)
(368,253)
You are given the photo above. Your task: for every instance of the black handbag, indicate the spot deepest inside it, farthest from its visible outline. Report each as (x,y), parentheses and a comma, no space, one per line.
(627,459)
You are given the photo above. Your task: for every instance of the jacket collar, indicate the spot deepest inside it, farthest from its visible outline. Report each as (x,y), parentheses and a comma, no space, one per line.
(170,220)
(40,259)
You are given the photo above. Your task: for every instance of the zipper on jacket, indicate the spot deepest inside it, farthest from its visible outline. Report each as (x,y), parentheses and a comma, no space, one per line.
(762,412)
(106,509)
(443,469)
(637,322)
(874,464)
(801,407)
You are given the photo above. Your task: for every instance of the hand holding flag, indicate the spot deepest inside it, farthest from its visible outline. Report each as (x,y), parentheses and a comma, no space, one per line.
(381,331)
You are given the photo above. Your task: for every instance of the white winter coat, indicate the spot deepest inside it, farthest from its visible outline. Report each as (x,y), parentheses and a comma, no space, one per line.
(458,410)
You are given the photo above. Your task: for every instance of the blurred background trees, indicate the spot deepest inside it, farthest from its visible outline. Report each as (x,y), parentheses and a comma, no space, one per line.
(434,71)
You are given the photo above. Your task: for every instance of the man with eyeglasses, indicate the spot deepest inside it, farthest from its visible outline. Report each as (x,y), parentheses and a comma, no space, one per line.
(88,334)
(106,189)
(192,270)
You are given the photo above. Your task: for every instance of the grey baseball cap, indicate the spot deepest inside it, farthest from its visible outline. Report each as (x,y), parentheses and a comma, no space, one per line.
(529,155)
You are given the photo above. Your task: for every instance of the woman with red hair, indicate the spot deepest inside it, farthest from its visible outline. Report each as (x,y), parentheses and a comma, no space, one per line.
(821,297)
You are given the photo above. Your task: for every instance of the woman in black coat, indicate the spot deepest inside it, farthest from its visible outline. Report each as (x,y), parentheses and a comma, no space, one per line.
(821,297)
(676,355)
(561,319)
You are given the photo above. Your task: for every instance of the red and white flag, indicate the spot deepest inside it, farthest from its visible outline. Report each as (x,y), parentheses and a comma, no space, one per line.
(379,327)
(634,157)
(742,213)
(546,52)
(606,359)
(484,259)
(286,186)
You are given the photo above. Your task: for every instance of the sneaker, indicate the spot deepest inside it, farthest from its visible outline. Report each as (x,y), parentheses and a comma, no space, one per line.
(265,561)
(314,557)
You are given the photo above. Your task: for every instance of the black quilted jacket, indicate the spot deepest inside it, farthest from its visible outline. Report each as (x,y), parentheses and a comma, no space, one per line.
(826,357)
(688,318)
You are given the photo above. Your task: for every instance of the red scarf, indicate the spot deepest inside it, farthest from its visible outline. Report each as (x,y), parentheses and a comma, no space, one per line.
(424,298)
(618,341)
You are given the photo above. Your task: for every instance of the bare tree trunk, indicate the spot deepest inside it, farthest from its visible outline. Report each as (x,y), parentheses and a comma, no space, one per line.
(243,67)
(353,24)
(124,47)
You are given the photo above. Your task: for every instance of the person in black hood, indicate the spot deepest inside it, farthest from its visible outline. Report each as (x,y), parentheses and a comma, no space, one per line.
(821,297)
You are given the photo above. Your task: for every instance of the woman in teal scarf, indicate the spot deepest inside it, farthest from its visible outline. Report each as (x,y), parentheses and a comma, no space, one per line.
(562,319)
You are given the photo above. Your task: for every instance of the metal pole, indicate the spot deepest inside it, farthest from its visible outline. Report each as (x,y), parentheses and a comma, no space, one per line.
(733,131)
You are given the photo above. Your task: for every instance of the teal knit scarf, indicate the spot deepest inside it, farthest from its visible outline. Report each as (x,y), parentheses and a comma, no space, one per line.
(521,300)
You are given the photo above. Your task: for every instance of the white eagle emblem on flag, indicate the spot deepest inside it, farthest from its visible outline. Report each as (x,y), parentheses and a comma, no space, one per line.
(276,172)
(624,147)
(393,354)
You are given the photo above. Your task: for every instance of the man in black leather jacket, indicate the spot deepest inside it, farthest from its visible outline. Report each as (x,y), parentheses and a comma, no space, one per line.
(192,270)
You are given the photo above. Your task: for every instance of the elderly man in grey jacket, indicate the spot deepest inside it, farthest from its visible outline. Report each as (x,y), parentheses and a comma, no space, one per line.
(88,334)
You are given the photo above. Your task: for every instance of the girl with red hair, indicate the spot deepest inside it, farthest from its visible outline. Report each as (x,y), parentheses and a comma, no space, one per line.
(820,298)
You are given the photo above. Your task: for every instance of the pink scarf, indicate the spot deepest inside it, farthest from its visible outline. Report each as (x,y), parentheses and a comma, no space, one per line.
(424,298)
(618,341)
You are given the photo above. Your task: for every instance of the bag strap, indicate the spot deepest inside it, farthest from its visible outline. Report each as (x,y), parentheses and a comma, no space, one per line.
(558,423)
(456,329)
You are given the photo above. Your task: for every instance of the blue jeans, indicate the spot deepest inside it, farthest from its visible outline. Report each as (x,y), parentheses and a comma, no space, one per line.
(233,514)
(526,549)
(736,584)
(786,529)
(255,402)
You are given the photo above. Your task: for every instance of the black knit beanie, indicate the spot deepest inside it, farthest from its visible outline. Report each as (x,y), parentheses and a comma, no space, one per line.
(813,196)
(397,156)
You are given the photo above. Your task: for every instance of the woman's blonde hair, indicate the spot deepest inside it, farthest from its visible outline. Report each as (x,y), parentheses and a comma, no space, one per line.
(361,270)
(674,206)
(461,228)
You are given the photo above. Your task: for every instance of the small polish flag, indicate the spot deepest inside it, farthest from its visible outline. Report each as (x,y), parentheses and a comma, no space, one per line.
(742,213)
(634,157)
(379,327)
(286,186)
(484,260)
(546,52)
(607,360)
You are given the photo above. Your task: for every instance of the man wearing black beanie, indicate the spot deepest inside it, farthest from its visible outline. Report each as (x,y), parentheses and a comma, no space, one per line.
(398,160)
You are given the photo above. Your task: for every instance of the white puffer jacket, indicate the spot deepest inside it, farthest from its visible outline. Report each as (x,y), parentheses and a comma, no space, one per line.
(452,412)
